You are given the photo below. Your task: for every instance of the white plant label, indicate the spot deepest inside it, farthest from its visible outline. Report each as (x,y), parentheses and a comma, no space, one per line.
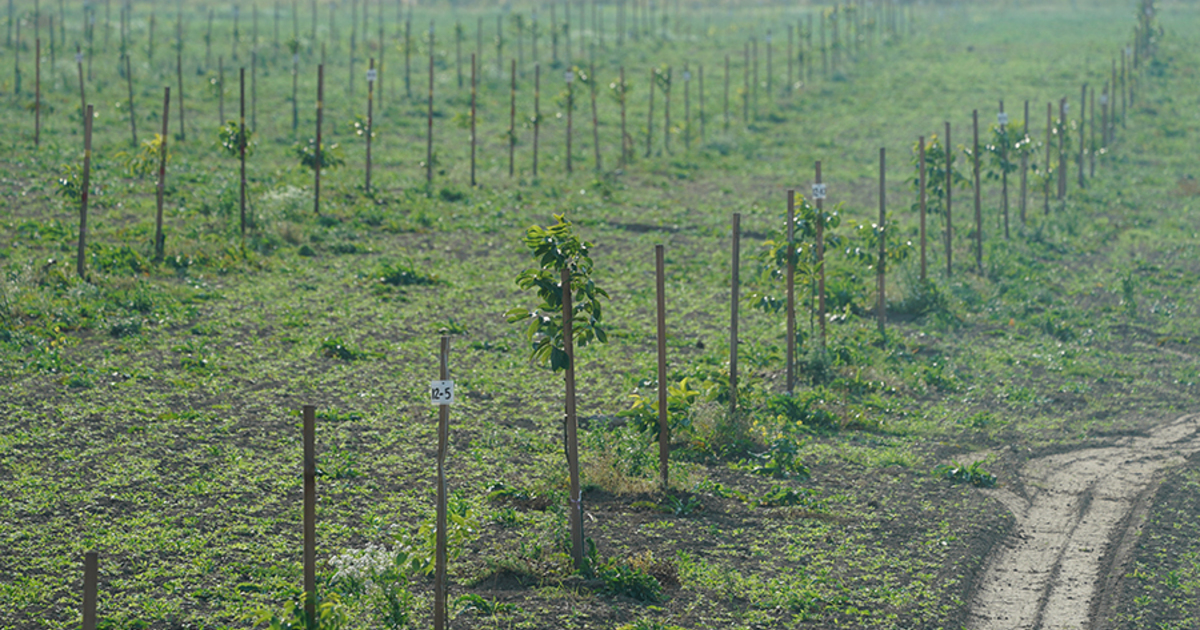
(1066,107)
(818,191)
(295,57)
(372,74)
(441,392)
(687,76)
(1104,99)
(569,76)
(768,39)
(78,57)
(1002,118)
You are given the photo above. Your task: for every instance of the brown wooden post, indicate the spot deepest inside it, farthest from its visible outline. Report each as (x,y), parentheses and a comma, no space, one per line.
(575,499)
(91,576)
(820,258)
(650,116)
(80,267)
(132,116)
(726,92)
(667,113)
(700,98)
(37,93)
(458,33)
(595,117)
(1062,149)
(512,118)
(791,290)
(921,188)
(537,113)
(309,414)
(790,53)
(881,268)
(734,291)
(626,141)
(429,118)
(1092,132)
(1049,148)
(664,431)
(1082,132)
(242,149)
(254,86)
(570,79)
(221,91)
(440,555)
(474,84)
(1002,119)
(82,93)
(162,178)
(978,208)
(1025,163)
(949,155)
(687,108)
(372,75)
(746,84)
(317,164)
(1123,74)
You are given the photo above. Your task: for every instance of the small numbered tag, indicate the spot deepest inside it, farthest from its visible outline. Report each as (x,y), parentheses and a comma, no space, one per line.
(441,392)
(1002,118)
(1104,99)
(818,191)
(687,76)
(768,39)
(372,74)
(569,76)
(295,57)
(1066,107)
(78,57)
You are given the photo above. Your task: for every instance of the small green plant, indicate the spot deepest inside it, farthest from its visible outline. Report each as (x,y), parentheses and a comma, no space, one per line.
(229,138)
(557,248)
(306,152)
(973,474)
(145,160)
(781,496)
(680,506)
(401,274)
(335,348)
(331,614)
(481,606)
(623,578)
(779,461)
(643,413)
(70,183)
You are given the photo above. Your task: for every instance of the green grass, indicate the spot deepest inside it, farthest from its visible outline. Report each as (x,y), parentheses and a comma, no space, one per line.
(153,411)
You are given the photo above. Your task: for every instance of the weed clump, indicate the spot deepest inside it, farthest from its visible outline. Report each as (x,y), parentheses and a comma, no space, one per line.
(973,474)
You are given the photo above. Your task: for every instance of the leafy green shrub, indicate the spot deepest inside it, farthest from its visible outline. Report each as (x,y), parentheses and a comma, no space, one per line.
(779,461)
(622,578)
(781,496)
(401,274)
(973,474)
(335,348)
(126,327)
(805,409)
(331,614)
(331,156)
(123,259)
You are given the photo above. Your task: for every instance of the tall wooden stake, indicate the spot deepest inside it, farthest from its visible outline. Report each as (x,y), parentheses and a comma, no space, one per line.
(595,116)
(91,575)
(978,199)
(242,148)
(474,83)
(650,117)
(700,98)
(310,515)
(429,118)
(791,289)
(512,118)
(320,112)
(948,152)
(1092,129)
(82,93)
(664,432)
(667,113)
(820,260)
(1004,172)
(1062,149)
(371,75)
(537,113)
(1083,92)
(1024,164)
(726,92)
(162,178)
(734,296)
(923,201)
(80,268)
(179,75)
(626,141)
(570,77)
(881,268)
(439,580)
(132,116)
(37,93)
(575,498)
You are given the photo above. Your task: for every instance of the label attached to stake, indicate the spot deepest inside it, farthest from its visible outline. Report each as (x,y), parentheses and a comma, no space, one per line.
(1104,99)
(295,57)
(818,191)
(1002,118)
(78,57)
(687,76)
(569,76)
(441,392)
(372,74)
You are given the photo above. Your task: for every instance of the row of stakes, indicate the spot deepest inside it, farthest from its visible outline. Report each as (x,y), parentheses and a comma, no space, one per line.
(442,390)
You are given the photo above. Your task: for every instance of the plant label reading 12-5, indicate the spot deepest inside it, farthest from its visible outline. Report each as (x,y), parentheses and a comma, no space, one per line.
(569,76)
(818,191)
(441,392)
(1002,118)
(372,74)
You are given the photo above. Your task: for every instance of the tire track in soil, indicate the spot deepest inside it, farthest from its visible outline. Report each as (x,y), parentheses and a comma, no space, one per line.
(1073,530)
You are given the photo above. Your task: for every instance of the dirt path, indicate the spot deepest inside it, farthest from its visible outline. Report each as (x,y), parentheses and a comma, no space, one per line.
(1076,524)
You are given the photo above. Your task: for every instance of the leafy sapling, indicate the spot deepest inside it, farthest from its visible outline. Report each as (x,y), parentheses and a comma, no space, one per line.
(557,247)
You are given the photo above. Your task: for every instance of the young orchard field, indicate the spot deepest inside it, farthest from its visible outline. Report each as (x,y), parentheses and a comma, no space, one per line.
(152,408)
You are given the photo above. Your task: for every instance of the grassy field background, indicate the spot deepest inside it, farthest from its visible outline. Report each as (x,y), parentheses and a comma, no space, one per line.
(152,412)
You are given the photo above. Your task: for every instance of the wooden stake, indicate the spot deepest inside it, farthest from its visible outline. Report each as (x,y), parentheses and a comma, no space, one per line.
(80,268)
(537,112)
(626,141)
(791,288)
(570,78)
(242,148)
(746,83)
(1082,132)
(667,113)
(1004,173)
(978,206)
(664,431)
(754,80)
(923,199)
(162,178)
(408,55)
(595,116)
(881,268)
(320,112)
(254,87)
(179,75)
(1024,163)
(949,155)
(474,83)
(132,116)
(1092,130)
(650,116)
(512,118)
(82,94)
(310,514)
(37,94)
(820,260)
(1049,145)
(440,555)
(458,33)
(370,117)
(790,54)
(429,136)
(734,296)
(91,576)
(1062,149)
(726,92)
(700,97)
(687,108)
(575,498)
